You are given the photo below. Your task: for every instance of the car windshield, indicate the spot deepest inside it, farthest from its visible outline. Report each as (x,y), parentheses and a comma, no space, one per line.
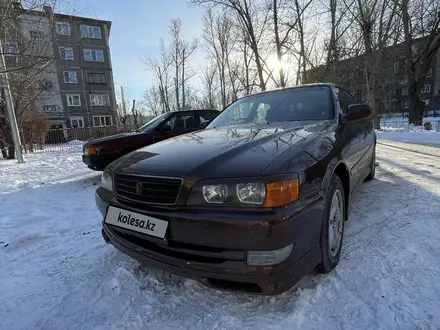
(153,123)
(299,104)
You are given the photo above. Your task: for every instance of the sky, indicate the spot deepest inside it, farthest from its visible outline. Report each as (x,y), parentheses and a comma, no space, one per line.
(137,26)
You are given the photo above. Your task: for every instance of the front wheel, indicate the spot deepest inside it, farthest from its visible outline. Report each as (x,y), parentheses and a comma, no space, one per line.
(332,229)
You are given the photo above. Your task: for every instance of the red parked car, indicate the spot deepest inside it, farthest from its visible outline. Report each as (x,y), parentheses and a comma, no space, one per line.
(97,154)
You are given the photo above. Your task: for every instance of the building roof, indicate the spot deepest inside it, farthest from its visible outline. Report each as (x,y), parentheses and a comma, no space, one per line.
(48,10)
(96,21)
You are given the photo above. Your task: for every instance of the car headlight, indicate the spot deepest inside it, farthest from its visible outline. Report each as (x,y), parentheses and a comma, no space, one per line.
(263,192)
(106,180)
(215,194)
(251,193)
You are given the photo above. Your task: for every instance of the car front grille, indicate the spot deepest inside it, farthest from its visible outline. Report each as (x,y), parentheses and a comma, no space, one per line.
(147,189)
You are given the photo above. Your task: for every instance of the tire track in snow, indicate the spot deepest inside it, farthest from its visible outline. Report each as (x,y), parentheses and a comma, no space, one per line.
(372,194)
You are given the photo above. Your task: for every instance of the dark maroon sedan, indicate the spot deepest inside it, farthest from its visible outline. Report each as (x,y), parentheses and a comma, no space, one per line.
(101,152)
(253,202)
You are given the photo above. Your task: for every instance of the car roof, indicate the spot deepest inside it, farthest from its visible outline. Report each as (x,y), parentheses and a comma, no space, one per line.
(329,84)
(192,110)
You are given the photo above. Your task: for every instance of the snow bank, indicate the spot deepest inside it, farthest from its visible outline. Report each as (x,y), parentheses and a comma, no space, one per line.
(399,118)
(75,143)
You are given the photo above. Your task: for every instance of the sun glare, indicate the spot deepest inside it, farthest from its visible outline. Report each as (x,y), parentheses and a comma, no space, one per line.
(274,64)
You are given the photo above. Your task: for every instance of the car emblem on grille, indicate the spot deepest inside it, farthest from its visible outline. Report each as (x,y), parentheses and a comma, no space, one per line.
(138,188)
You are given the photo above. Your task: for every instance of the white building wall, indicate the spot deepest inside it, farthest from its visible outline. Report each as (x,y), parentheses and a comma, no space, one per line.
(47,71)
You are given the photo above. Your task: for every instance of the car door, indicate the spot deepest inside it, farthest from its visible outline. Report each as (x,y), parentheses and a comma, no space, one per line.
(358,133)
(178,124)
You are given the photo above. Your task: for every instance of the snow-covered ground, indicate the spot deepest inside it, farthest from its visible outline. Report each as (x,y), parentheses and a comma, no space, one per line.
(56,272)
(424,137)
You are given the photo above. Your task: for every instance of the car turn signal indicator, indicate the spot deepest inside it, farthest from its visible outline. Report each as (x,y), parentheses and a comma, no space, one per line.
(90,151)
(281,193)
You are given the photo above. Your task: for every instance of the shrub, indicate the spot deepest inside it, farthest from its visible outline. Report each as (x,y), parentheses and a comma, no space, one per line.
(428,126)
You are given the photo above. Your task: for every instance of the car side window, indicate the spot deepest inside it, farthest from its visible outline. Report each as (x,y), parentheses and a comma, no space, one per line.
(182,121)
(345,100)
(206,116)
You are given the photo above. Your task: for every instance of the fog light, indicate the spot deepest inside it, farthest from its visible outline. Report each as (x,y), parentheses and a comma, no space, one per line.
(106,180)
(268,258)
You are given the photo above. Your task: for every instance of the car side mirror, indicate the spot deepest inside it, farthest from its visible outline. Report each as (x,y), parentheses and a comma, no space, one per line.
(357,111)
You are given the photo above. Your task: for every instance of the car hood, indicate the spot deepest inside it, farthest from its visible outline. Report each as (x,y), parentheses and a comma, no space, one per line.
(233,151)
(111,138)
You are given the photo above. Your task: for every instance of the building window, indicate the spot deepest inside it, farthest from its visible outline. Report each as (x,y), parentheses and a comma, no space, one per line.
(405,105)
(396,66)
(93,32)
(66,53)
(36,34)
(100,121)
(77,122)
(426,88)
(405,91)
(10,51)
(94,55)
(96,78)
(97,100)
(63,28)
(50,108)
(73,100)
(70,77)
(429,74)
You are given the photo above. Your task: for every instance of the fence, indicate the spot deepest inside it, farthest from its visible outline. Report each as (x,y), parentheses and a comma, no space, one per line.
(404,126)
(69,138)
(74,138)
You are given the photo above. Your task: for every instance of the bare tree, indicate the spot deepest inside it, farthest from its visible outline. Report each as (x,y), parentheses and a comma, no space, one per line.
(422,41)
(332,27)
(27,35)
(180,52)
(288,23)
(160,67)
(242,74)
(209,86)
(253,20)
(219,43)
(152,100)
(375,21)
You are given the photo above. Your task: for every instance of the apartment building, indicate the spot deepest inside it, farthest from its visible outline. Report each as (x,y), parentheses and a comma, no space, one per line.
(75,87)
(393,84)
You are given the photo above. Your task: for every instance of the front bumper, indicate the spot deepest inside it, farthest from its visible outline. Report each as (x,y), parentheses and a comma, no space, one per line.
(211,246)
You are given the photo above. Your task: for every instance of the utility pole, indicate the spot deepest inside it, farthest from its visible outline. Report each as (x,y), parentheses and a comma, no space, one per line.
(10,106)
(124,107)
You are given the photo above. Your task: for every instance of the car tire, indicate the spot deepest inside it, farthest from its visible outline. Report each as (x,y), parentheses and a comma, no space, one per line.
(372,166)
(332,229)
